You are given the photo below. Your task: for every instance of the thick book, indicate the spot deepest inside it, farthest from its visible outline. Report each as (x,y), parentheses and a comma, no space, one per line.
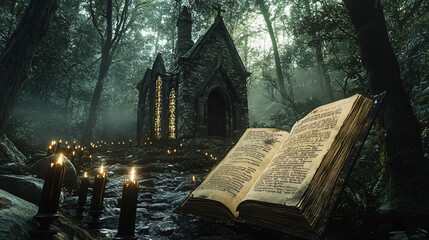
(287,181)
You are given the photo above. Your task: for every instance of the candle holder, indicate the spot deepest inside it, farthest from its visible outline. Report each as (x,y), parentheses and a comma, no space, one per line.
(127,217)
(48,205)
(44,231)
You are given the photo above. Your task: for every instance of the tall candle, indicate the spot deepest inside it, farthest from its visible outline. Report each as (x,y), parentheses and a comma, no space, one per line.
(98,191)
(127,217)
(52,187)
(83,191)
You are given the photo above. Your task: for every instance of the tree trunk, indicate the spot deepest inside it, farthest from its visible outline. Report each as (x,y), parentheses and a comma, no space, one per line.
(326,83)
(406,166)
(325,80)
(266,14)
(106,60)
(15,61)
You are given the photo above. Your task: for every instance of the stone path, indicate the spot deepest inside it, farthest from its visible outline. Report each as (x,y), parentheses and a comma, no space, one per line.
(164,182)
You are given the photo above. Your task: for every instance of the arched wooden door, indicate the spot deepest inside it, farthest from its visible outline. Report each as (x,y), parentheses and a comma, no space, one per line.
(216,114)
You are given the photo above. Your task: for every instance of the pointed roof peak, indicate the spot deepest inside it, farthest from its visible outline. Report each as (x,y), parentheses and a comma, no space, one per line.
(184,14)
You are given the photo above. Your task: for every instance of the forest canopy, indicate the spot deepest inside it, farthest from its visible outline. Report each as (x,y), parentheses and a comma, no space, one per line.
(81,83)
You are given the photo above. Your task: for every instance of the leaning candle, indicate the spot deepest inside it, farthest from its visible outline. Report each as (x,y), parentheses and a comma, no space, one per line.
(127,217)
(98,191)
(52,187)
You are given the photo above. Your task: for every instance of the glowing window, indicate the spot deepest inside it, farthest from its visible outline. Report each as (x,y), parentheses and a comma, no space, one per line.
(158,107)
(172,112)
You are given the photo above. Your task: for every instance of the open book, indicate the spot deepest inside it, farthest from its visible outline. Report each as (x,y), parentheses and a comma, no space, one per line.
(287,180)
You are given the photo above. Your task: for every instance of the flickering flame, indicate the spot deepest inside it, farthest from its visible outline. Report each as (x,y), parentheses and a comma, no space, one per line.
(181,145)
(90,156)
(131,140)
(74,142)
(101,169)
(168,151)
(206,154)
(73,153)
(132,174)
(68,146)
(81,149)
(112,143)
(85,174)
(60,159)
(123,142)
(50,147)
(60,141)
(52,142)
(194,180)
(67,142)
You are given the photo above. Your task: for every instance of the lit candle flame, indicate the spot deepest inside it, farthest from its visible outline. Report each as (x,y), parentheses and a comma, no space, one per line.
(132,174)
(67,142)
(90,156)
(131,140)
(168,151)
(85,174)
(50,147)
(60,159)
(206,154)
(101,169)
(60,141)
(181,145)
(194,180)
(174,150)
(73,153)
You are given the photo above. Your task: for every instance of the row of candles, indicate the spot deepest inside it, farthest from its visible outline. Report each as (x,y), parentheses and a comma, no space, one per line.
(48,205)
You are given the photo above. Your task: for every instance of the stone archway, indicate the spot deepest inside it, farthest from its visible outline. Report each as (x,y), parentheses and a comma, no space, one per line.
(216,114)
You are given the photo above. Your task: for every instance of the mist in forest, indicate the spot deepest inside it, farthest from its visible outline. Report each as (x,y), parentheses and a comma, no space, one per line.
(319,62)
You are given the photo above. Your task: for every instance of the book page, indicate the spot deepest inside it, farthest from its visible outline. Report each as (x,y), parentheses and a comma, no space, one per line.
(233,177)
(289,173)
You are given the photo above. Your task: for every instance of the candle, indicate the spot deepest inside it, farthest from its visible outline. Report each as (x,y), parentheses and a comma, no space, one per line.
(127,217)
(49,150)
(73,153)
(98,191)
(83,191)
(57,150)
(52,187)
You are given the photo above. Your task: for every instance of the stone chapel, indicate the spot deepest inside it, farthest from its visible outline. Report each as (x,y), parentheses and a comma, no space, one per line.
(203,95)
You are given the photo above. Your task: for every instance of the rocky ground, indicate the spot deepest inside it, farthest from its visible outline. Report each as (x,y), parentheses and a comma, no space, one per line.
(164,182)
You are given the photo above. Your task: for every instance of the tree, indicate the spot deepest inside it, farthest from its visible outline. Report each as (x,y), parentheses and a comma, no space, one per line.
(406,166)
(266,14)
(110,43)
(18,54)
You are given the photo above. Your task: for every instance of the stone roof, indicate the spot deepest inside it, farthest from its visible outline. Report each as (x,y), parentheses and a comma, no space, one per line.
(198,46)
